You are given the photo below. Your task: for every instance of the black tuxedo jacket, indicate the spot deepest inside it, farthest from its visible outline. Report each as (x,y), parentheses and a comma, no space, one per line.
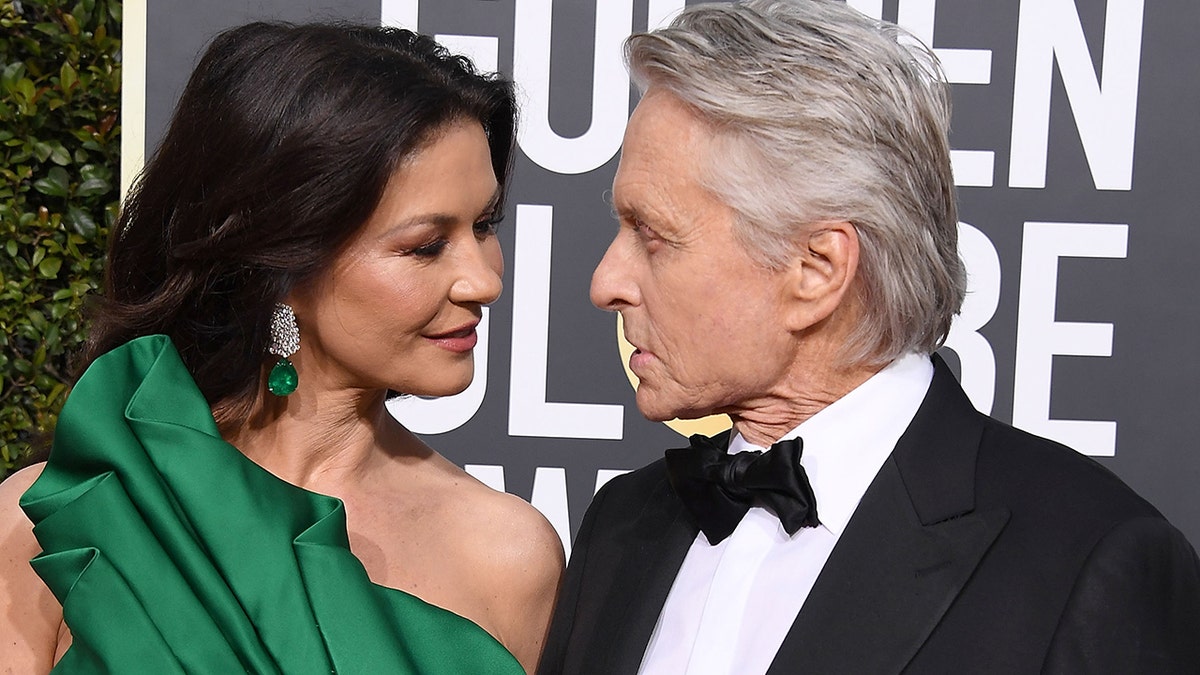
(978,548)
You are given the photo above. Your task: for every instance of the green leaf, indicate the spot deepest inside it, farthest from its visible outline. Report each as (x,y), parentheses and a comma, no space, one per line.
(56,392)
(25,88)
(92,187)
(59,155)
(49,187)
(83,10)
(37,319)
(42,150)
(49,267)
(11,247)
(11,73)
(81,221)
(51,29)
(67,77)
(72,24)
(54,184)
(95,171)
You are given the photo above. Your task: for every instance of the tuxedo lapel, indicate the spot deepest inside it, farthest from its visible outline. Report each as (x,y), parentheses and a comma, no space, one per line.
(912,544)
(661,537)
(656,544)
(886,585)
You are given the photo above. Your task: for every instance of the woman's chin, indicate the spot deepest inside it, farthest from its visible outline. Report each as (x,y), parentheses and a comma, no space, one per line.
(433,389)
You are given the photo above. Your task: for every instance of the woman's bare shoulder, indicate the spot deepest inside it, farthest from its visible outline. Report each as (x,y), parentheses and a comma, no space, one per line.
(32,618)
(504,523)
(12,518)
(518,560)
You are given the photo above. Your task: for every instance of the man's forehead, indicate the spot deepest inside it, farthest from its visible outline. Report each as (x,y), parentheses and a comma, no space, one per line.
(663,116)
(665,142)
(661,177)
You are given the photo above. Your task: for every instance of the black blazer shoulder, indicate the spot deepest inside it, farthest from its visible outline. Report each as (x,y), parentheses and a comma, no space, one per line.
(1070,523)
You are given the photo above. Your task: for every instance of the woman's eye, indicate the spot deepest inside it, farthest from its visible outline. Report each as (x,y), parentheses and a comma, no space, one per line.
(487,227)
(430,250)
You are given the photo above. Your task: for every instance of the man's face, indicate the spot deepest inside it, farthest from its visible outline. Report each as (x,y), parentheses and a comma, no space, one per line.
(702,313)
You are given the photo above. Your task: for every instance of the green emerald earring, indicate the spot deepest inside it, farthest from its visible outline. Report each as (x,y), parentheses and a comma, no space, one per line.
(285,341)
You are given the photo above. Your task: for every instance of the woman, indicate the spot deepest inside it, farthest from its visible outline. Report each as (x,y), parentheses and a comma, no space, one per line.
(316,230)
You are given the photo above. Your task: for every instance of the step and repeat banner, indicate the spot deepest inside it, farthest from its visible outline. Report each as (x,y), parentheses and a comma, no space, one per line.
(1078,163)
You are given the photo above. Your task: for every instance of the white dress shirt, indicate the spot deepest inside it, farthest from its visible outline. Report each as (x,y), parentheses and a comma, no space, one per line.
(732,604)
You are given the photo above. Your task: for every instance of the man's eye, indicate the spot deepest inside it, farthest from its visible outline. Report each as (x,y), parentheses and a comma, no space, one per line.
(645,231)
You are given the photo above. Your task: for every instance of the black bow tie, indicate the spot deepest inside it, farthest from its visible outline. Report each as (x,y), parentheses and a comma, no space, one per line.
(719,488)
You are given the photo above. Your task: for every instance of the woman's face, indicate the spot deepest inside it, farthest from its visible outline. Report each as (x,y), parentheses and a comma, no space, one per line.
(399,306)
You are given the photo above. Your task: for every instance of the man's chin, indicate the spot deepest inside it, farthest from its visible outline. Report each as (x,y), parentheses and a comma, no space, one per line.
(657,410)
(656,417)
(654,412)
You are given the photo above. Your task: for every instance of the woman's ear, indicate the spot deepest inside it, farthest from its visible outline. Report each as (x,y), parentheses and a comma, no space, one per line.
(822,273)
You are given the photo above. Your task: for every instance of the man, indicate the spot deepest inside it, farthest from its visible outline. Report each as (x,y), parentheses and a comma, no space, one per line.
(787,255)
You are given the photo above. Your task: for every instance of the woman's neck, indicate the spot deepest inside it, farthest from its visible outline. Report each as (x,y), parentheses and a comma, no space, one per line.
(322,440)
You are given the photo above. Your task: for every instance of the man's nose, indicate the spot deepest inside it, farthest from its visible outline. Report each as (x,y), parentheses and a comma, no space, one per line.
(612,284)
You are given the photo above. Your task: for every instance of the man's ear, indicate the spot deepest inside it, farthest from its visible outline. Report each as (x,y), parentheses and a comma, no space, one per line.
(822,273)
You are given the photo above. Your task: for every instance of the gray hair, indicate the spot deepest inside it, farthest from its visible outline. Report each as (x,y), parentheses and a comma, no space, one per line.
(822,114)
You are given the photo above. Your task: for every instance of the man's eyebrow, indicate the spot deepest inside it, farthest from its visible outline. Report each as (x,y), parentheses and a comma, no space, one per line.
(629,214)
(622,209)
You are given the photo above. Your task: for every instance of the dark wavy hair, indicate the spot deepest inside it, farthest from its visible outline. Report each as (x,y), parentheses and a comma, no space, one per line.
(278,152)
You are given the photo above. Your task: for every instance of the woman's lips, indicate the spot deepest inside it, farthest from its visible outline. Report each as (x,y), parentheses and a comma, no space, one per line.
(460,340)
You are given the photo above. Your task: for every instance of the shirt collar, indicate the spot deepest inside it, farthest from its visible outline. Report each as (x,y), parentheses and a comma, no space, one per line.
(847,442)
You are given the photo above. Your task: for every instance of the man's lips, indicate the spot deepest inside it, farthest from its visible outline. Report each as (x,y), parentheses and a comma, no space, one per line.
(639,359)
(461,339)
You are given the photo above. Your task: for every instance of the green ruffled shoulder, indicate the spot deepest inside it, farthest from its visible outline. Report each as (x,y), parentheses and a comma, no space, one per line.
(171,552)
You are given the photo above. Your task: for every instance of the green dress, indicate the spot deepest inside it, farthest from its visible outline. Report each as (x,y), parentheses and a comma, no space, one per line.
(171,552)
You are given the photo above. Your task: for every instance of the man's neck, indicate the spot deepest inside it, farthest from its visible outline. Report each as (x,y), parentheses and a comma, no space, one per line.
(766,420)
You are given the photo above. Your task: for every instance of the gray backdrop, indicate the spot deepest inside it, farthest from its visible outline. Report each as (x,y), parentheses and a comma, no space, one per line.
(1077,165)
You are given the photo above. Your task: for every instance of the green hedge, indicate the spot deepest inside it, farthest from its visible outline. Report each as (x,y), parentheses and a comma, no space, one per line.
(60,80)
